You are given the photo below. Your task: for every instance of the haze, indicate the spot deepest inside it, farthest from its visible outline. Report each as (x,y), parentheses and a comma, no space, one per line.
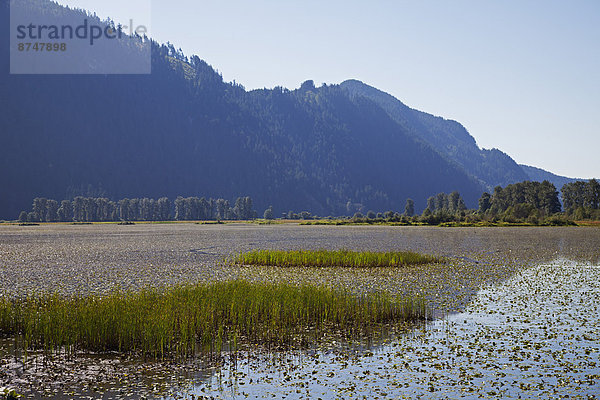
(523,77)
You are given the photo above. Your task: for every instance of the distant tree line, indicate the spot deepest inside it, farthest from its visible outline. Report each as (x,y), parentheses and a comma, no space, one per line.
(581,200)
(444,208)
(529,202)
(194,208)
(442,202)
(300,215)
(388,216)
(100,209)
(524,201)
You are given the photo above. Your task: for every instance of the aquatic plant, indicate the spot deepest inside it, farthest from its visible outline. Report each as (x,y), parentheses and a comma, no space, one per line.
(183,320)
(7,393)
(336,258)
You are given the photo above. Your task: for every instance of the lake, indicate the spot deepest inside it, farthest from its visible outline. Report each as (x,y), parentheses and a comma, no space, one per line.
(515,311)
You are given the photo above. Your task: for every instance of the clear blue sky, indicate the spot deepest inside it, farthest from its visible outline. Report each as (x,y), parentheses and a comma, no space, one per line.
(522,76)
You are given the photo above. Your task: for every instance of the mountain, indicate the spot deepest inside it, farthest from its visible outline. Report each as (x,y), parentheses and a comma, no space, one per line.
(183,131)
(448,138)
(538,174)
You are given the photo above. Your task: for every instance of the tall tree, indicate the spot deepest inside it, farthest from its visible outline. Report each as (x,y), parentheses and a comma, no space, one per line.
(454,202)
(79,209)
(102,207)
(124,209)
(90,209)
(431,204)
(222,208)
(39,208)
(484,202)
(65,211)
(179,208)
(409,208)
(243,208)
(134,209)
(268,214)
(51,211)
(593,194)
(164,209)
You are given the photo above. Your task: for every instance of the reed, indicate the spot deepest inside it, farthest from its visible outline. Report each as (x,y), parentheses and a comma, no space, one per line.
(336,258)
(185,320)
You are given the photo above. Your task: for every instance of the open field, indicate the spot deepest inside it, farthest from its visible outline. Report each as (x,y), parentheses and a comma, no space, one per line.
(97,260)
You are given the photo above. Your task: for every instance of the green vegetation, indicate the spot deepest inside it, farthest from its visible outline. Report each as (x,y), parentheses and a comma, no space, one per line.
(520,204)
(338,258)
(183,320)
(100,209)
(521,201)
(582,200)
(7,393)
(525,203)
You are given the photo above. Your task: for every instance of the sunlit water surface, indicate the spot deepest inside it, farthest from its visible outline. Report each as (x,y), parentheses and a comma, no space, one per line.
(535,336)
(523,312)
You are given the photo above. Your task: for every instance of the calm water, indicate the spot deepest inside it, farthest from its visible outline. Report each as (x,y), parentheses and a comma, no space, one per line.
(535,336)
(522,301)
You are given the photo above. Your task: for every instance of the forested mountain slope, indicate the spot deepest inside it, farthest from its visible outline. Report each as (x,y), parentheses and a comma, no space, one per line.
(538,174)
(449,138)
(183,131)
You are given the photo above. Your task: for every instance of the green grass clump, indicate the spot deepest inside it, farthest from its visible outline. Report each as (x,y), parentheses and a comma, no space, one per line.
(184,320)
(337,258)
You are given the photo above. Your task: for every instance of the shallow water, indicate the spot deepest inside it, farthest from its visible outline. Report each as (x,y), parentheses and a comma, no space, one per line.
(535,336)
(531,321)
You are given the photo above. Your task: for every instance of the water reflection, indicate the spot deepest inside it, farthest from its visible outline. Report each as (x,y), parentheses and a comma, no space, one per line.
(537,335)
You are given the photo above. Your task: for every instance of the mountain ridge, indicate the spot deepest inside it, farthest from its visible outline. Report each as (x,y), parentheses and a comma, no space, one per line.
(183,131)
(539,174)
(455,132)
(448,137)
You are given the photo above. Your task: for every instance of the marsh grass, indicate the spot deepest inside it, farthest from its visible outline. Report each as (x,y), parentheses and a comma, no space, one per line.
(336,258)
(185,320)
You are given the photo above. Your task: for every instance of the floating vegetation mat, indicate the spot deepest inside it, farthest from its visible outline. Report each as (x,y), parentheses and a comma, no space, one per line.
(337,258)
(183,320)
